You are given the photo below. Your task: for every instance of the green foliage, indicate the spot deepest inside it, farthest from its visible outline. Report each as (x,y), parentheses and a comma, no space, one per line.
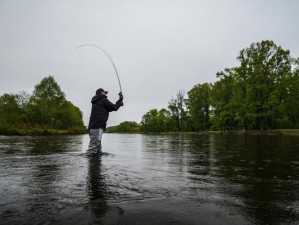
(199,107)
(157,121)
(221,97)
(265,74)
(261,93)
(46,110)
(125,127)
(178,111)
(258,94)
(11,112)
(174,119)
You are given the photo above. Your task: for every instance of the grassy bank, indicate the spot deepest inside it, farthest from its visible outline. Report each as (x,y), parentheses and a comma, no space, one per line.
(290,132)
(285,132)
(75,131)
(42,131)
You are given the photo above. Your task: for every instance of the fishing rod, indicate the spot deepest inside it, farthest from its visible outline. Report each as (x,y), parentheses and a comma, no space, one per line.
(106,53)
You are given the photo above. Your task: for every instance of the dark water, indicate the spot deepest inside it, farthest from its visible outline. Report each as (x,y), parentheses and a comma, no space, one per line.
(150,179)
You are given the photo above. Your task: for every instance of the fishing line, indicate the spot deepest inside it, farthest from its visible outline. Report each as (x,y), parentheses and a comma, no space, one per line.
(106,53)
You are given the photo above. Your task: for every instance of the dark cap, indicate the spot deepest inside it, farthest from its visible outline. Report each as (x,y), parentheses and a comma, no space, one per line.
(100,90)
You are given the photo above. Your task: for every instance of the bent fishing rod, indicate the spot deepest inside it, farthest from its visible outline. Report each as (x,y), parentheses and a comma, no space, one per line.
(106,53)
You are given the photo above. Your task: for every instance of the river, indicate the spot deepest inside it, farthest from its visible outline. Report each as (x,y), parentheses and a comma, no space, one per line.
(150,179)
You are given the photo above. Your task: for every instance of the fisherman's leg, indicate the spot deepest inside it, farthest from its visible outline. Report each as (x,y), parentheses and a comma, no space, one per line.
(93,142)
(101,131)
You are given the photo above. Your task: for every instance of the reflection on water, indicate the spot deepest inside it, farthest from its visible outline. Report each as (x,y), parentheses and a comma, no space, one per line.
(264,174)
(96,188)
(150,179)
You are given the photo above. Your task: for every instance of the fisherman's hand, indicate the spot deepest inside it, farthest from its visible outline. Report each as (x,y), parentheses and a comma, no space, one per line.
(121,97)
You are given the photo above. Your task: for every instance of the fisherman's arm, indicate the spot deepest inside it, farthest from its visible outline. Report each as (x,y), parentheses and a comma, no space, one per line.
(114,107)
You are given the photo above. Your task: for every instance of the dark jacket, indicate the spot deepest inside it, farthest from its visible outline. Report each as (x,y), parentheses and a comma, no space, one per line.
(101,107)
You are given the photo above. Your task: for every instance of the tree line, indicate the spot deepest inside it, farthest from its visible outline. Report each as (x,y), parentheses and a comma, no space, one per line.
(261,93)
(46,111)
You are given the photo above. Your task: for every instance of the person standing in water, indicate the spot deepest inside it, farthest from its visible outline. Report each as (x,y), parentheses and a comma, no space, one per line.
(101,107)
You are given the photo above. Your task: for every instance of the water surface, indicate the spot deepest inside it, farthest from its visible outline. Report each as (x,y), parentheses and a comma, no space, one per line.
(150,179)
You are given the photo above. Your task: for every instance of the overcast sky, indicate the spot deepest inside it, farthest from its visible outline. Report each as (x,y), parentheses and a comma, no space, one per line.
(159,46)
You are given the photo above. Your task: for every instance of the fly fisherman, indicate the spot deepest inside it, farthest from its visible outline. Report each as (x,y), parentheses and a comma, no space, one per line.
(101,107)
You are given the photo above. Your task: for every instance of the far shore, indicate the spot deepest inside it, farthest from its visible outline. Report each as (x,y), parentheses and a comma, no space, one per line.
(42,131)
(37,132)
(284,132)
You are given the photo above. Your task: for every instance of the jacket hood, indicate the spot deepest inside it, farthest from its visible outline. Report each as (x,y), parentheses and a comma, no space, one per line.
(97,98)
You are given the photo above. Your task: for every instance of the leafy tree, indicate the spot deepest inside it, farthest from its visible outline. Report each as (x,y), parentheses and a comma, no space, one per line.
(156,121)
(67,116)
(258,94)
(45,103)
(178,110)
(264,75)
(47,108)
(292,98)
(261,93)
(199,106)
(11,114)
(221,97)
(125,127)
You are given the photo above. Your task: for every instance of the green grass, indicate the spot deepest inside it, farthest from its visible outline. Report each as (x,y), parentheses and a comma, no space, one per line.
(289,132)
(41,131)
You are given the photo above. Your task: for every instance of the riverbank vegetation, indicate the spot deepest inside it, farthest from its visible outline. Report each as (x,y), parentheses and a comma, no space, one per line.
(125,127)
(46,111)
(259,94)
